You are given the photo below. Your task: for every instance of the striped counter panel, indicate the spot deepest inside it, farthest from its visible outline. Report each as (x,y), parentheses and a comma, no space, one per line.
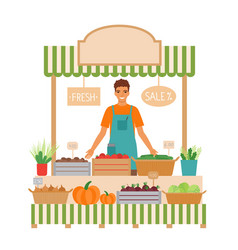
(118,214)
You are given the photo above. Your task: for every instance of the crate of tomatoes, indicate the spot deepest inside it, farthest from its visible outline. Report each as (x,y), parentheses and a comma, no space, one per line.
(114,165)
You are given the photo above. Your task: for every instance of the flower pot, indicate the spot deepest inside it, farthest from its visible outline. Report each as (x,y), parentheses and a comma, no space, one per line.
(41,169)
(189,167)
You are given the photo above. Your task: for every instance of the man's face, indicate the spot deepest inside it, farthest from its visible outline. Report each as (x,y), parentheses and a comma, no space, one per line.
(121,93)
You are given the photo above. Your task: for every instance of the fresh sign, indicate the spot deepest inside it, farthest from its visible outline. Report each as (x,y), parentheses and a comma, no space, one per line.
(83,96)
(158,96)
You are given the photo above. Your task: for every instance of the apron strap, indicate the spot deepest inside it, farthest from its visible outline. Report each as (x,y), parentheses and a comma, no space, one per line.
(113,109)
(131,109)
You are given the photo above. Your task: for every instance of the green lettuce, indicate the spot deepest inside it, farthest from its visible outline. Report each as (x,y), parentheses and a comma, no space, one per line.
(193,189)
(173,189)
(183,187)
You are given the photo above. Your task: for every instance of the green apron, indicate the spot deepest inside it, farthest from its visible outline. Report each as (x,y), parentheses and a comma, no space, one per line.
(123,136)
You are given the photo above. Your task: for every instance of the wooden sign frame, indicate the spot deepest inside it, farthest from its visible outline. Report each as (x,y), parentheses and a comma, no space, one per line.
(119,45)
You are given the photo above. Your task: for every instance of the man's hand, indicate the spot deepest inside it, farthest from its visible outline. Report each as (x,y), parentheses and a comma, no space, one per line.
(153,152)
(89,153)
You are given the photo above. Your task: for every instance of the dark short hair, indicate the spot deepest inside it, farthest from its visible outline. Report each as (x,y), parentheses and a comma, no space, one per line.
(121,83)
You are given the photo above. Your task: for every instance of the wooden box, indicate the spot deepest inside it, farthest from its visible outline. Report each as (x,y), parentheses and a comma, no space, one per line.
(111,167)
(138,197)
(72,168)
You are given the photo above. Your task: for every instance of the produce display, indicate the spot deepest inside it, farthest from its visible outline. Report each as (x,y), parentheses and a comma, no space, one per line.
(191,154)
(156,157)
(49,189)
(134,194)
(108,198)
(114,156)
(50,195)
(136,187)
(162,164)
(184,188)
(76,159)
(86,195)
(184,194)
(114,165)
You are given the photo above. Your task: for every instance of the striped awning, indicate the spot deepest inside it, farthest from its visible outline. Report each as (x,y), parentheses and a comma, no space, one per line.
(62,61)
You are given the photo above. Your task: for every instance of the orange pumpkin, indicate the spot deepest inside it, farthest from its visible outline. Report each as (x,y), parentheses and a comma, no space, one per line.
(108,198)
(86,195)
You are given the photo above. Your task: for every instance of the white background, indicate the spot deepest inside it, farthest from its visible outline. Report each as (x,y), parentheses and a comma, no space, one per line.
(26,26)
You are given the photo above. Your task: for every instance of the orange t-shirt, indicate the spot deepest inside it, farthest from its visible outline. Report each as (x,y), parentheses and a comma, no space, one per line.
(122,110)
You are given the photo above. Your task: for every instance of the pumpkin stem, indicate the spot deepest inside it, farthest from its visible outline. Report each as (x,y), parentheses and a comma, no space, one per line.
(106,193)
(87,185)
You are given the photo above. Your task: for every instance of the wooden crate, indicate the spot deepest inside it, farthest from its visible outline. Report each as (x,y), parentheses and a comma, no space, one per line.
(138,197)
(72,168)
(111,167)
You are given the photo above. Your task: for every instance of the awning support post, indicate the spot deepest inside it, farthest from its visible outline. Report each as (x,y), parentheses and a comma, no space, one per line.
(53,119)
(184,112)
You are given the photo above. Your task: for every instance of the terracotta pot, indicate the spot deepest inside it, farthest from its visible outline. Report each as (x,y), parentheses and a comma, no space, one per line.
(41,169)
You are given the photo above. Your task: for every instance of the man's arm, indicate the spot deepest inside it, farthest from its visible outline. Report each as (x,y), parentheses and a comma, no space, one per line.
(98,139)
(145,139)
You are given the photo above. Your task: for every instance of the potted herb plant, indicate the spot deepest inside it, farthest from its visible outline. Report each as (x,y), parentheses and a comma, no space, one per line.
(43,153)
(189,160)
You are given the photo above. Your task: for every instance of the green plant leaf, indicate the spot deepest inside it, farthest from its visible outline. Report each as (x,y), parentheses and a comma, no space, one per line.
(199,150)
(38,148)
(38,159)
(42,152)
(194,148)
(184,152)
(182,156)
(43,147)
(189,154)
(194,156)
(32,153)
(44,159)
(48,160)
(40,156)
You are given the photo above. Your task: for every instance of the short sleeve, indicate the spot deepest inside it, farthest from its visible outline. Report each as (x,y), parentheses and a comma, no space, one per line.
(137,120)
(107,117)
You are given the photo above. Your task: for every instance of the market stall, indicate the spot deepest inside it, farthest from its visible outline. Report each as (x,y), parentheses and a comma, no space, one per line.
(119,51)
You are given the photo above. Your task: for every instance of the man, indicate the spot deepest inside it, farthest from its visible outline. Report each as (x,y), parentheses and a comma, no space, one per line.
(122,119)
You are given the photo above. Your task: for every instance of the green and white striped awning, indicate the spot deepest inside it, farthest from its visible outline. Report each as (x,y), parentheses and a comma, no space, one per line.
(62,61)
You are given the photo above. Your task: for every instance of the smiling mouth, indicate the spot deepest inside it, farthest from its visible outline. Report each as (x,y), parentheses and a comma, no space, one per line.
(121,98)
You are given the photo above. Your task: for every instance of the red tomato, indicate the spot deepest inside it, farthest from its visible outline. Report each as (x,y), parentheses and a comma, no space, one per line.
(119,156)
(107,156)
(125,156)
(114,156)
(102,155)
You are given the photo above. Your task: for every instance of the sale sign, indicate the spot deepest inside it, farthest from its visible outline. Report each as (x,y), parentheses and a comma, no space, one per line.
(83,96)
(158,96)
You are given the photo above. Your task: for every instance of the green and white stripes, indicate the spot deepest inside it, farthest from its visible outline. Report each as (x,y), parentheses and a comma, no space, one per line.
(176,60)
(118,214)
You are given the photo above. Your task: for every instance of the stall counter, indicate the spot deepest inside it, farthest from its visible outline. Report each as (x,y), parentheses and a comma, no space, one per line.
(113,184)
